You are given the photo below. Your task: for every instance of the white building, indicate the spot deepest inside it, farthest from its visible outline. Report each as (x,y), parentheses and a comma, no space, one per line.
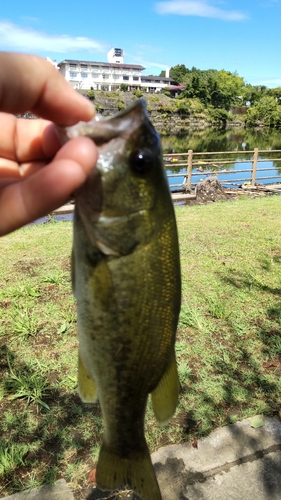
(109,75)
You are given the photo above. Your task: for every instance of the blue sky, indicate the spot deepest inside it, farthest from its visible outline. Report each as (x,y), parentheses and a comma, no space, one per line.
(242,36)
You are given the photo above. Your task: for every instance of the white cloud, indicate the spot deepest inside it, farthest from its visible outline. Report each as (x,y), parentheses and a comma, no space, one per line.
(269,82)
(26,39)
(140,59)
(200,8)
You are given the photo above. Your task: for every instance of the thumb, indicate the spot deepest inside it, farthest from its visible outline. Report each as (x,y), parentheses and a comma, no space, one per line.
(49,187)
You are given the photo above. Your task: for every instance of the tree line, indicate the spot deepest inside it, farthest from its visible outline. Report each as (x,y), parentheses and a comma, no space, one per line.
(223,90)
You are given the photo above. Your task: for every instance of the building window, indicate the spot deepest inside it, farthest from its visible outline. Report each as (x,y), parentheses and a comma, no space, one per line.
(105,77)
(116,77)
(84,66)
(125,78)
(95,75)
(135,78)
(72,74)
(84,75)
(73,66)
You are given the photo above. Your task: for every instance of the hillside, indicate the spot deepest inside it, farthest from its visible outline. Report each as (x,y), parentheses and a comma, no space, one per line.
(168,115)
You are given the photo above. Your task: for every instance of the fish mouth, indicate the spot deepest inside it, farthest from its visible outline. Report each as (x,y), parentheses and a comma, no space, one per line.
(103,129)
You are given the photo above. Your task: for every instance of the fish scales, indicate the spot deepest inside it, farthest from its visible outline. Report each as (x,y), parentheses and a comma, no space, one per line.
(126,281)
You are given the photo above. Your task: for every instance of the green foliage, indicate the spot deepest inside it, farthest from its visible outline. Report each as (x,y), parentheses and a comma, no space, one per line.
(182,107)
(251,94)
(138,93)
(99,107)
(154,99)
(265,111)
(91,95)
(178,73)
(121,105)
(29,386)
(11,456)
(166,91)
(219,115)
(229,328)
(220,89)
(123,87)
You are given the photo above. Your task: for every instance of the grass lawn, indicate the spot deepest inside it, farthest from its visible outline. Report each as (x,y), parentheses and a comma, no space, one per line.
(228,343)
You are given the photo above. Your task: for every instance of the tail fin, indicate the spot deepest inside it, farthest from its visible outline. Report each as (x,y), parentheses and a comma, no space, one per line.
(135,472)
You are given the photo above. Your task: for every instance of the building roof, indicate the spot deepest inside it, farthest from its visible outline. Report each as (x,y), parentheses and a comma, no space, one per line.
(178,87)
(96,63)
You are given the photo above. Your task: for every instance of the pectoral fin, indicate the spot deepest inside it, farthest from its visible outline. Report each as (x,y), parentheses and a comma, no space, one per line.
(86,385)
(165,396)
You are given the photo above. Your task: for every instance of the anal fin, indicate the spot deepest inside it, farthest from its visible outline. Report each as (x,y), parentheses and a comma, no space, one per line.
(165,395)
(86,385)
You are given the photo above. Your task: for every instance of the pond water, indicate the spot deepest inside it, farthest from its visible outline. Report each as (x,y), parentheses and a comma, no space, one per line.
(218,140)
(213,140)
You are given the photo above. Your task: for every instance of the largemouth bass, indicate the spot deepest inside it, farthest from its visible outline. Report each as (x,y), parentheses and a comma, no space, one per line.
(126,281)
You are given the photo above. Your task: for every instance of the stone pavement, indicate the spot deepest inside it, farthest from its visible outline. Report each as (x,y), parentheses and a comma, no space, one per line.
(237,462)
(59,491)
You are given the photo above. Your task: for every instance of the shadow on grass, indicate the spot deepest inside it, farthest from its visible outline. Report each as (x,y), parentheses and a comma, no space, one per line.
(244,373)
(55,437)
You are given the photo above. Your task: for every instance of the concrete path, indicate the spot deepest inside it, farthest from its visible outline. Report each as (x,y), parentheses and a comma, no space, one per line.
(237,462)
(59,491)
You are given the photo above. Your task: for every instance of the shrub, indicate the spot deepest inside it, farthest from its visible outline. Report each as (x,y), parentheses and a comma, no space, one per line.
(138,93)
(220,115)
(99,108)
(123,87)
(91,95)
(182,108)
(121,105)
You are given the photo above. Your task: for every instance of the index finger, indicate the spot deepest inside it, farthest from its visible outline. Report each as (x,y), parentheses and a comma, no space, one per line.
(30,83)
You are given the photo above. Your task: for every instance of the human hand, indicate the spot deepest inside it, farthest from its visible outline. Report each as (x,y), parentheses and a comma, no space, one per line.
(37,175)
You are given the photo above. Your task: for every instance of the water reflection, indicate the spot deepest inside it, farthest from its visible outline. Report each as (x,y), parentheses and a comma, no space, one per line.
(223,140)
(214,140)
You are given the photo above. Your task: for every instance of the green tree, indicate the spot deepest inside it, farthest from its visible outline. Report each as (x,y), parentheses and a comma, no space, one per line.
(228,90)
(253,93)
(220,89)
(276,92)
(266,111)
(123,87)
(178,73)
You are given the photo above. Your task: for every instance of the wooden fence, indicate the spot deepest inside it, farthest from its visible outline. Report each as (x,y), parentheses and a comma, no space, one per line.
(202,164)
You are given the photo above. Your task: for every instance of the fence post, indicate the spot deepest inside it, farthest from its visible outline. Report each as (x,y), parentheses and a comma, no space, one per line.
(189,169)
(254,166)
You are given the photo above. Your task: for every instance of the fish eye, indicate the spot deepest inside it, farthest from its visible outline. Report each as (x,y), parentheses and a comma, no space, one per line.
(141,161)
